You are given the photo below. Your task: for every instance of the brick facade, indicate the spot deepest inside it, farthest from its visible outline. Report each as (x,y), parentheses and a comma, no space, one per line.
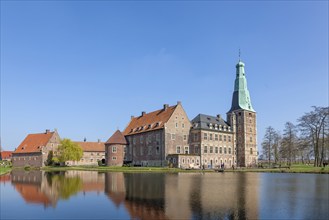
(244,124)
(34,150)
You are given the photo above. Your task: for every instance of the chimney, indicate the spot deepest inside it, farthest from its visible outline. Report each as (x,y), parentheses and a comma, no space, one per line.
(143,113)
(47,131)
(85,139)
(218,116)
(131,117)
(179,102)
(165,107)
(98,140)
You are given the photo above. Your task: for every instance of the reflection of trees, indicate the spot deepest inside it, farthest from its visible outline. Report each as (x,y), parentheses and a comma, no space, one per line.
(64,186)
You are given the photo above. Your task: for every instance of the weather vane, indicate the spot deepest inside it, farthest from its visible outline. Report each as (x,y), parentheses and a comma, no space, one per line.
(239,54)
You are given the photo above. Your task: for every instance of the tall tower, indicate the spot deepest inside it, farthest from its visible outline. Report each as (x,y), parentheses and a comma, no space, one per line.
(242,118)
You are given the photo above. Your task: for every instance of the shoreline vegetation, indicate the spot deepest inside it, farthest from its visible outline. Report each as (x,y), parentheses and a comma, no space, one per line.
(295,168)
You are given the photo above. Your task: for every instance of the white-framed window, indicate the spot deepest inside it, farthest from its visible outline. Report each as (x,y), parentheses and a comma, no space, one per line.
(185,137)
(205,136)
(183,161)
(250,139)
(178,149)
(216,137)
(186,150)
(251,150)
(173,136)
(225,150)
(183,126)
(210,136)
(220,150)
(114,149)
(211,149)
(176,125)
(229,151)
(114,158)
(205,149)
(229,138)
(224,137)
(216,150)
(220,137)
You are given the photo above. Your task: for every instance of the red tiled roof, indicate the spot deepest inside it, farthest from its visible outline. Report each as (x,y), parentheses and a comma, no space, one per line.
(34,142)
(117,138)
(5,154)
(92,146)
(149,122)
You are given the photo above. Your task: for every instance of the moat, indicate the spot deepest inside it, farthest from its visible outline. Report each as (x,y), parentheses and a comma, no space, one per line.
(116,195)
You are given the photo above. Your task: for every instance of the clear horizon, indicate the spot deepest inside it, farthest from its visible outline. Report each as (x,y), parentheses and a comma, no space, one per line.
(84,67)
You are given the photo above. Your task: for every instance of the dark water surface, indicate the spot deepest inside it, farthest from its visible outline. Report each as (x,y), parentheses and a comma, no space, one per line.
(115,195)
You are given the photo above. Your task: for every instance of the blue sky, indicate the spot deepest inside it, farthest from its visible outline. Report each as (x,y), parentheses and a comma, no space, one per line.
(84,67)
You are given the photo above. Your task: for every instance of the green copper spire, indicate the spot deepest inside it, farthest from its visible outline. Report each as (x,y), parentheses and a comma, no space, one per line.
(241,97)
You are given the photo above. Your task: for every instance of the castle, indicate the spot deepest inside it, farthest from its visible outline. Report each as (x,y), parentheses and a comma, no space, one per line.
(166,137)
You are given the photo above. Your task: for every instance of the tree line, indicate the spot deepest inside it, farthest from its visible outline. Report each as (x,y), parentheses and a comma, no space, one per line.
(306,142)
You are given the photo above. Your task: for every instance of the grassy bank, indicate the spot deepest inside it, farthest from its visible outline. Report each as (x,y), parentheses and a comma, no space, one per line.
(120,169)
(296,168)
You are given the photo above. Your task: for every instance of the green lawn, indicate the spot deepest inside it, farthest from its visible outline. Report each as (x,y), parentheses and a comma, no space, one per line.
(120,169)
(295,168)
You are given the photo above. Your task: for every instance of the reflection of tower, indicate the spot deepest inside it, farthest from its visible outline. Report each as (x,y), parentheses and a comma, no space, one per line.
(247,195)
(242,117)
(115,187)
(145,195)
(195,197)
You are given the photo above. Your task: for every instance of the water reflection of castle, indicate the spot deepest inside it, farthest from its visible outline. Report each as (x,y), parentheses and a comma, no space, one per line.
(183,195)
(149,195)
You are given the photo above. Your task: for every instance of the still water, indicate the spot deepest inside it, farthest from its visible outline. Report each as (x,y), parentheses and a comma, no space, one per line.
(114,195)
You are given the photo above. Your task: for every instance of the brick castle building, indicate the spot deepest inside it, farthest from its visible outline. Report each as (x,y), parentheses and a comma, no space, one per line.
(166,137)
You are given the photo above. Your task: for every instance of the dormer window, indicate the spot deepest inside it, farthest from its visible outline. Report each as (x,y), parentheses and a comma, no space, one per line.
(210,125)
(149,126)
(216,126)
(131,130)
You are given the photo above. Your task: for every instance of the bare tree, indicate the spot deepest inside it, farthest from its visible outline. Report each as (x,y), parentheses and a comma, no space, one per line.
(268,143)
(314,126)
(289,142)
